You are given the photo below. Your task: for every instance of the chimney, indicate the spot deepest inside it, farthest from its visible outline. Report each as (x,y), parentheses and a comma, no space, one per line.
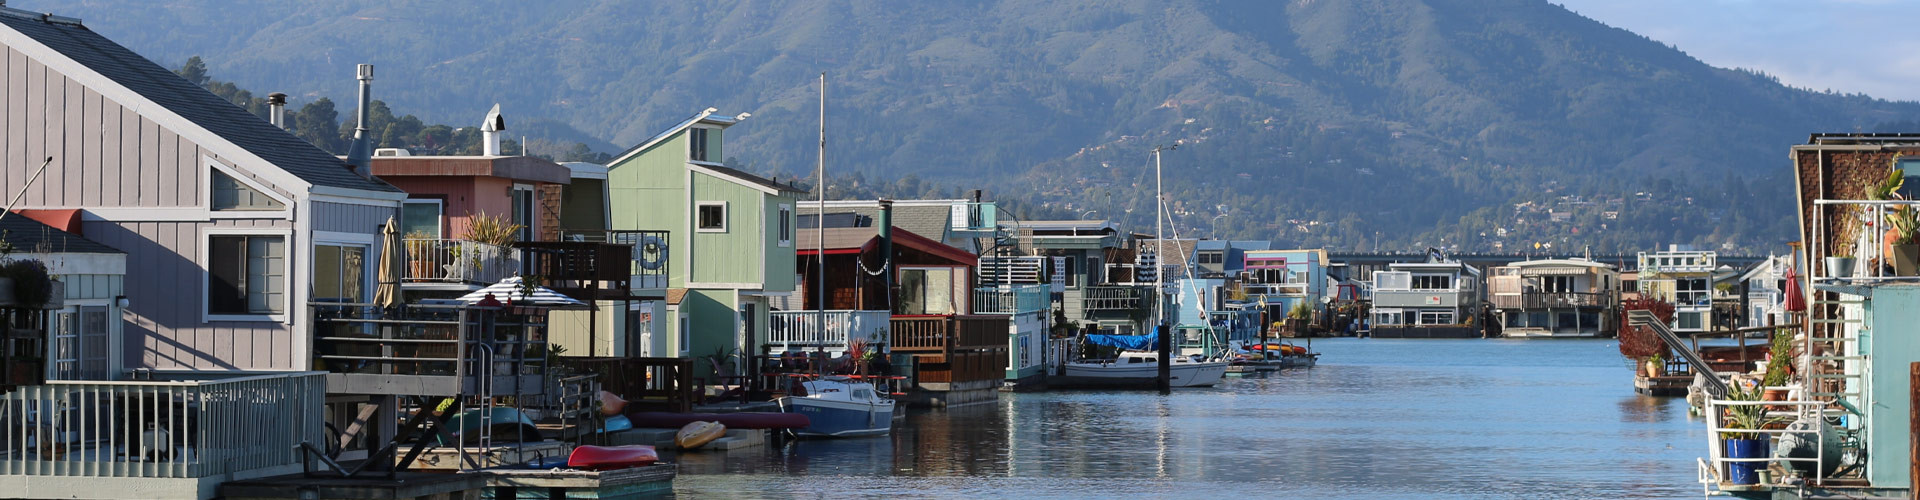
(885,221)
(490,133)
(277,109)
(360,154)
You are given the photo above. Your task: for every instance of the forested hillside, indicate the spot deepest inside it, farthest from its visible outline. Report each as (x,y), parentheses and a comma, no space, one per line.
(1477,124)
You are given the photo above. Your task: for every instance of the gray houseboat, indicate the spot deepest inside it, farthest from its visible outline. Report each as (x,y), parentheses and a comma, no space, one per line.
(1439,298)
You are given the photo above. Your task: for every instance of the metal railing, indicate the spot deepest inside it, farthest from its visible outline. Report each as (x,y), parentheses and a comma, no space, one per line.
(801,329)
(1012,270)
(1010,299)
(151,429)
(1715,469)
(459,261)
(1115,298)
(1545,300)
(429,348)
(1870,258)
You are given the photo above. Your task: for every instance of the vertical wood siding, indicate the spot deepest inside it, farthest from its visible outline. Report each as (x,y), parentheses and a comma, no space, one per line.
(165,295)
(351,218)
(104,154)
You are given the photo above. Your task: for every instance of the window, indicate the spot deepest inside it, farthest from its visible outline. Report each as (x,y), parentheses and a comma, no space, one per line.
(1688,320)
(339,274)
(1436,317)
(1690,290)
(1211,258)
(697,144)
(421,217)
(1432,282)
(686,332)
(81,339)
(926,291)
(246,274)
(786,225)
(711,217)
(231,194)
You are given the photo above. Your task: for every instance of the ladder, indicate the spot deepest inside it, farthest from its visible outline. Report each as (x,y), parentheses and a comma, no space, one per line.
(1829,351)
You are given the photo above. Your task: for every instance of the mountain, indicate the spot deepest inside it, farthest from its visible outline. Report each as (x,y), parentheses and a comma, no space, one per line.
(1466,124)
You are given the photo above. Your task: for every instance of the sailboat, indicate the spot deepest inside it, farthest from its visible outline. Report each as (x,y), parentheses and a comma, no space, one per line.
(1138,366)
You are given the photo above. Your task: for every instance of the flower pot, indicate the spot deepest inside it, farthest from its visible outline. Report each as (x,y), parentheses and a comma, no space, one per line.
(1746,472)
(1655,370)
(1775,395)
(1906,260)
(1840,267)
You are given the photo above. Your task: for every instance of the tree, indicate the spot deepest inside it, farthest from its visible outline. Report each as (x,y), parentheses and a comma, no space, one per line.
(319,124)
(194,71)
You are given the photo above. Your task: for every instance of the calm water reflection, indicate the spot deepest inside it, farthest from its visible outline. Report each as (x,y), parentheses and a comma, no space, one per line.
(1377,419)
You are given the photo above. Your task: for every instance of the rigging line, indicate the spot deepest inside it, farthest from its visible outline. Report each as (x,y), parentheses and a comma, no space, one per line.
(1188,269)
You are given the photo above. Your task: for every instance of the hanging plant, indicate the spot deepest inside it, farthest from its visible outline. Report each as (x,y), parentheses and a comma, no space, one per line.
(31,283)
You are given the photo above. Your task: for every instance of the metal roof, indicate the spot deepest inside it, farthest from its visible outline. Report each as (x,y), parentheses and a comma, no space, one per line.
(197,105)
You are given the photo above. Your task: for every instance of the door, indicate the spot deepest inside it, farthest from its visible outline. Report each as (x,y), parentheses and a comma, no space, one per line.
(82,344)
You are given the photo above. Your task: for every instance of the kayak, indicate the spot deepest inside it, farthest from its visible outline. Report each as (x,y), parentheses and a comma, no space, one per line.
(612,457)
(698,434)
(743,420)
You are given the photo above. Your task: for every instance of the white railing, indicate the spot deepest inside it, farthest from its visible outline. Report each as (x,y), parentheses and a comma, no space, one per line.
(1010,299)
(143,429)
(459,261)
(1715,467)
(793,329)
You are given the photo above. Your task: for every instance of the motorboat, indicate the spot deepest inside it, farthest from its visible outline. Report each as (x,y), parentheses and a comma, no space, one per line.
(840,406)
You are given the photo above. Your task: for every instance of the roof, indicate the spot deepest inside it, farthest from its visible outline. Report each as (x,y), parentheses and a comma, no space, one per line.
(181,97)
(701,117)
(1064,225)
(1561,263)
(743,177)
(850,240)
(1177,256)
(30,236)
(519,168)
(932,220)
(584,170)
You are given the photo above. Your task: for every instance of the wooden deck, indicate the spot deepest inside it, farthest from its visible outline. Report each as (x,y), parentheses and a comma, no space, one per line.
(1662,386)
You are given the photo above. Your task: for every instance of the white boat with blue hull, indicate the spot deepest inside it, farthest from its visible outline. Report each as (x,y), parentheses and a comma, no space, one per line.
(841,407)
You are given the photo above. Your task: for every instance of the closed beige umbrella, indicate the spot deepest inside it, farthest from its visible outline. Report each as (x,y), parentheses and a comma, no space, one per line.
(392,258)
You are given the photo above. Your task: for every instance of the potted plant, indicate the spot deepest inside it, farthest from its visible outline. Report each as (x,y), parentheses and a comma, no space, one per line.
(1297,317)
(495,235)
(1656,366)
(1746,444)
(31,285)
(1903,240)
(1779,367)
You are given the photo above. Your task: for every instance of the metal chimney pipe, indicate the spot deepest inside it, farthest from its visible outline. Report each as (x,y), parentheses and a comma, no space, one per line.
(885,221)
(490,130)
(360,153)
(277,109)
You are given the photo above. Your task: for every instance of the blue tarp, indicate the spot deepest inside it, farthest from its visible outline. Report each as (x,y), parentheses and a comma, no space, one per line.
(1135,342)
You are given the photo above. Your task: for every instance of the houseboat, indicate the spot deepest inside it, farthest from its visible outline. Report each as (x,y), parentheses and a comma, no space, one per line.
(1684,278)
(1439,298)
(1555,298)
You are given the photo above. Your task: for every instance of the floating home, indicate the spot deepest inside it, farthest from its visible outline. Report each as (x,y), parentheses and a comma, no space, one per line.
(1439,298)
(1555,298)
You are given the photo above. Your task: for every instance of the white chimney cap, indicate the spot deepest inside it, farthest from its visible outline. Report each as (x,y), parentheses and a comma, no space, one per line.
(494,122)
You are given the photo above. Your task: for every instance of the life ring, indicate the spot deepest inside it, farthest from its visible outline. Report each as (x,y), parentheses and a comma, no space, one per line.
(650,245)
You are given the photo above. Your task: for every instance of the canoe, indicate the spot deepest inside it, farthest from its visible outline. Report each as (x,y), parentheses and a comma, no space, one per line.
(612,457)
(698,434)
(743,420)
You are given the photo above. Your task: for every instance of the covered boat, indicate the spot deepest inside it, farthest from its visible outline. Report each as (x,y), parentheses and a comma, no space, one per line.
(841,407)
(1139,368)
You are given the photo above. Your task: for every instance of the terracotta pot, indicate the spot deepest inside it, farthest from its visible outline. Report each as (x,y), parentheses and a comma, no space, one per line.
(1775,395)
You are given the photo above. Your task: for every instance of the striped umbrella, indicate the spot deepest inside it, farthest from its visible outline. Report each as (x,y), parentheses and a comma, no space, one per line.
(511,290)
(392,258)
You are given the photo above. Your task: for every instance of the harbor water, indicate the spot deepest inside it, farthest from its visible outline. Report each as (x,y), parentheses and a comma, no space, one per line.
(1377,419)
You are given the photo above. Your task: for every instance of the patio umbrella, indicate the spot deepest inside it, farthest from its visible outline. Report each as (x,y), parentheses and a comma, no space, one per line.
(387,294)
(510,290)
(1796,300)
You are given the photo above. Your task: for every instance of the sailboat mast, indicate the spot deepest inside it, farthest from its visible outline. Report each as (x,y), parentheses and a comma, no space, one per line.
(820,217)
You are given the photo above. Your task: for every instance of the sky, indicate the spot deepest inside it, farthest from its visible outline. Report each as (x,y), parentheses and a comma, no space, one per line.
(1850,46)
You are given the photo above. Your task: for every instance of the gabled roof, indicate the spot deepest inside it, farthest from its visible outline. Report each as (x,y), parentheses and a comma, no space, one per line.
(929,218)
(850,240)
(754,181)
(701,117)
(205,110)
(31,236)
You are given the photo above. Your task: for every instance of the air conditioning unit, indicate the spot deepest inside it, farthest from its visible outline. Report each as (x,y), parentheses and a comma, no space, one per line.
(392,152)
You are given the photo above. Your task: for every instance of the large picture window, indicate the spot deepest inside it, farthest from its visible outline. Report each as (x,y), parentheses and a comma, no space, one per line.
(1432,282)
(246,274)
(926,291)
(422,217)
(339,274)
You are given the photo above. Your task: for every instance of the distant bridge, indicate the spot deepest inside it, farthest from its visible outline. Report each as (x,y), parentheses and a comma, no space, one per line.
(1362,264)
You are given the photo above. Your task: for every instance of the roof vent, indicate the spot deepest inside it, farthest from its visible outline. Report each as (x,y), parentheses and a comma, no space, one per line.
(490,129)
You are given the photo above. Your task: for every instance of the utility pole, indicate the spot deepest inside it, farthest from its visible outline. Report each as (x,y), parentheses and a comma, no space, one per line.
(1165,341)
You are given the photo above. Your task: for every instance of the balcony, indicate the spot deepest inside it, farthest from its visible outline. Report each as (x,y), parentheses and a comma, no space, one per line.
(801,330)
(460,262)
(948,334)
(1020,299)
(429,349)
(975,217)
(648,265)
(1552,300)
(1255,290)
(111,432)
(583,270)
(1116,298)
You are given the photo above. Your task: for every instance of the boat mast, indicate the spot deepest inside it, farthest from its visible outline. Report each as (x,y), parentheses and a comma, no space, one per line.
(820,218)
(1159,277)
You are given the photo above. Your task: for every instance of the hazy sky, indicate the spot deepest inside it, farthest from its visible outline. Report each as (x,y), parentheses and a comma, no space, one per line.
(1853,46)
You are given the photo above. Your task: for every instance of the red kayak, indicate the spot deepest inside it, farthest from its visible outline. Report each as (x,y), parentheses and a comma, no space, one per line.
(744,420)
(612,457)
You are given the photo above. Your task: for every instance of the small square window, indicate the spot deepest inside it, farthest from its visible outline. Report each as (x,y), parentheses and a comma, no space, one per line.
(711,217)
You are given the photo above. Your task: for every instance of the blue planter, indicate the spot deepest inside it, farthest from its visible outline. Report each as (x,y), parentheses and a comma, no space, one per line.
(1745,472)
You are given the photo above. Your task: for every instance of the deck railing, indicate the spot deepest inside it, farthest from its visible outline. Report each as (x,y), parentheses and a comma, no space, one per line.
(1259,289)
(1115,298)
(650,251)
(579,269)
(150,429)
(663,384)
(459,261)
(1554,300)
(1010,299)
(1715,469)
(801,329)
(429,349)
(948,333)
